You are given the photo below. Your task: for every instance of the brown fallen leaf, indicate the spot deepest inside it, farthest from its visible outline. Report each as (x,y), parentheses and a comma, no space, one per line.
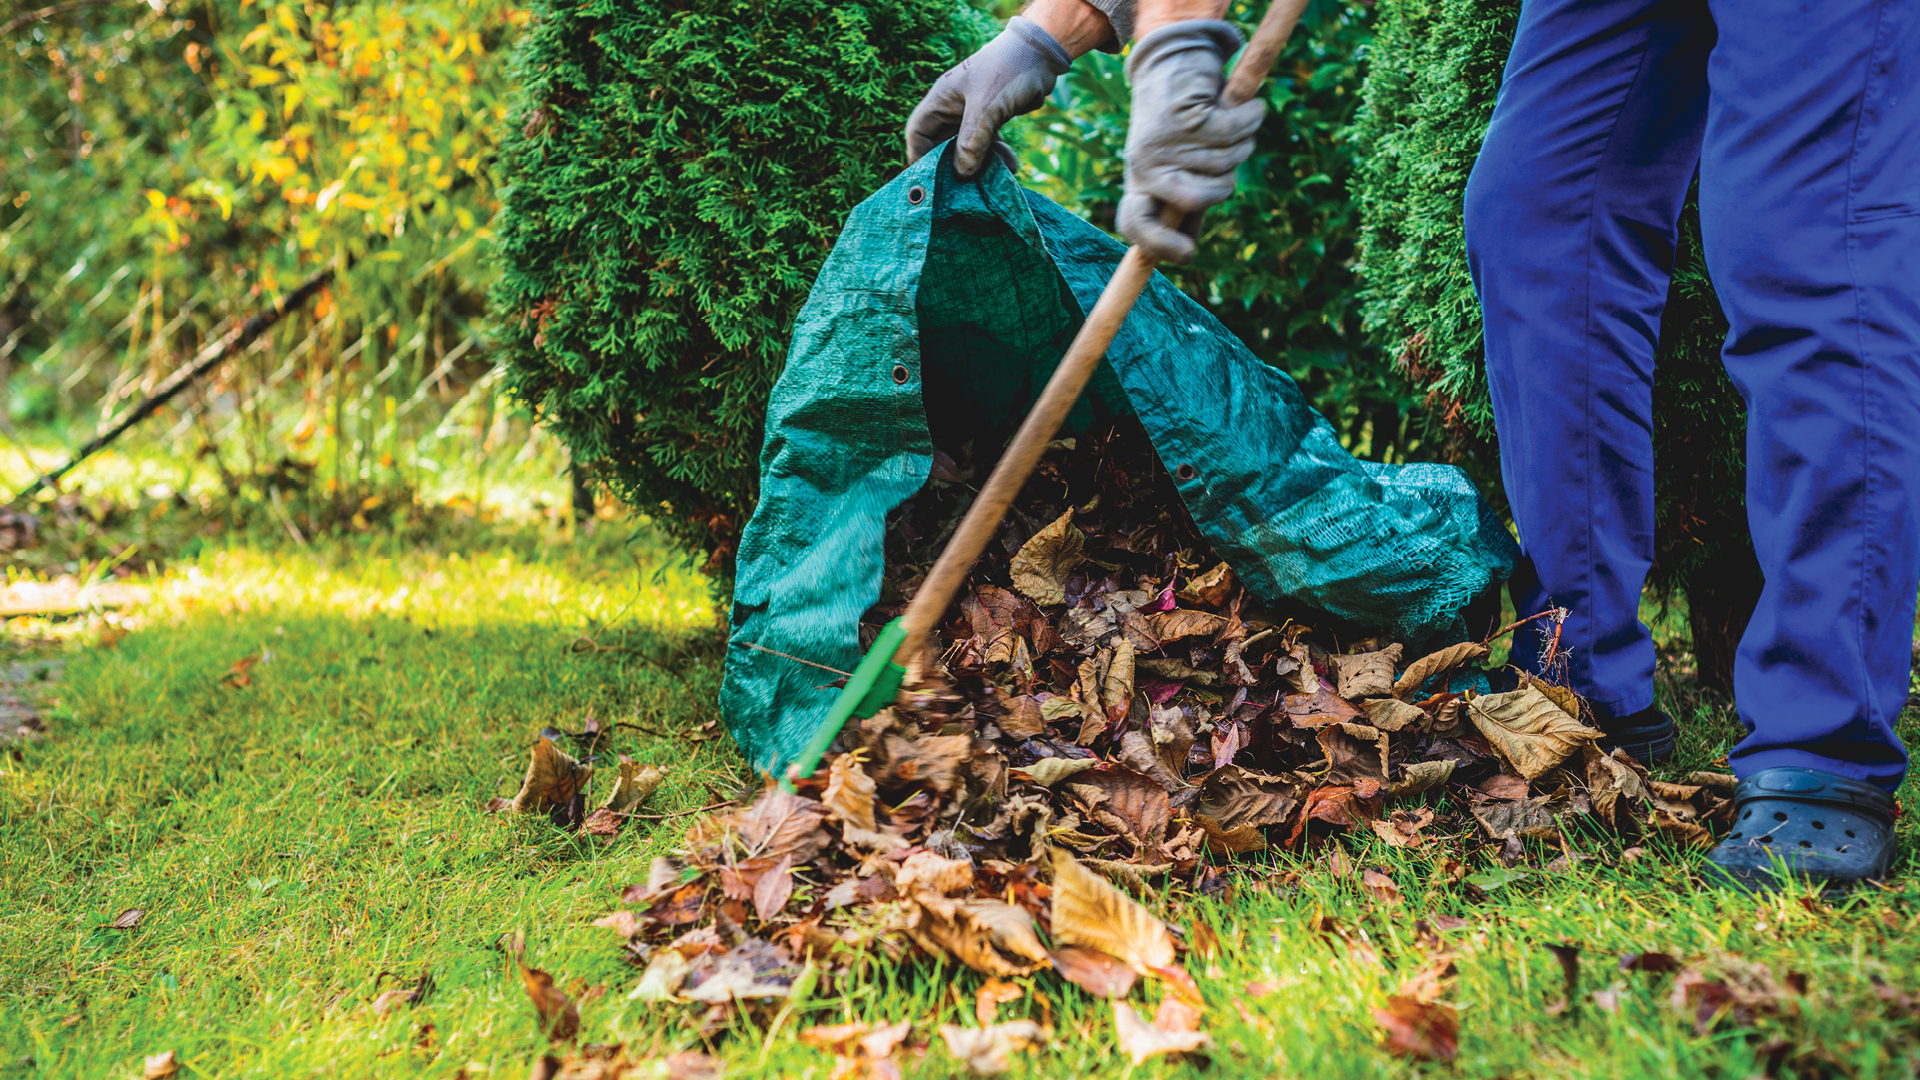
(934,873)
(1417,1029)
(1043,564)
(1319,708)
(1526,819)
(1418,672)
(1401,829)
(1391,714)
(1379,887)
(1528,729)
(1127,801)
(1221,841)
(1422,776)
(1235,797)
(1089,912)
(989,936)
(236,676)
(622,922)
(771,892)
(779,823)
(1505,786)
(127,919)
(849,795)
(1569,957)
(1209,589)
(992,994)
(634,785)
(988,1051)
(1141,1040)
(1181,623)
(559,1016)
(555,784)
(1365,675)
(1354,752)
(1094,971)
(160,1066)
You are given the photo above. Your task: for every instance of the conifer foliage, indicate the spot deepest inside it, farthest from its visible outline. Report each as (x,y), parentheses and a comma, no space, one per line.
(1435,70)
(677,171)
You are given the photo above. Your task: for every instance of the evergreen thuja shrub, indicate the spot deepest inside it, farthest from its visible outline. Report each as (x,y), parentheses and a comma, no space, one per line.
(1434,72)
(675,172)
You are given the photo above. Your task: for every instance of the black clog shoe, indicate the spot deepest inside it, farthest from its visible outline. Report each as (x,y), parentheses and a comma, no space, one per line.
(1804,823)
(1648,735)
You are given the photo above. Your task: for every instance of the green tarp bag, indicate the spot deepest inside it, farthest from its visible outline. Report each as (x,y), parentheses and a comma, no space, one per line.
(962,296)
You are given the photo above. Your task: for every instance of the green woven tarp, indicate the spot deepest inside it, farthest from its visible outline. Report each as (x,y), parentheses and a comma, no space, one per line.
(943,308)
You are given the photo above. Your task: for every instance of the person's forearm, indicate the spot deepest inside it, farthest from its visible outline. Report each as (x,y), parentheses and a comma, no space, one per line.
(1154,14)
(1078,26)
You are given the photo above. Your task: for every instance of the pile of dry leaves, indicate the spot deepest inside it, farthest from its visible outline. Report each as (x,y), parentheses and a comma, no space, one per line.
(1109,712)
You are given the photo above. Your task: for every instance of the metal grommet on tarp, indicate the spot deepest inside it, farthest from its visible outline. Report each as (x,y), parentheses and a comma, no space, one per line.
(916,195)
(1185,472)
(901,374)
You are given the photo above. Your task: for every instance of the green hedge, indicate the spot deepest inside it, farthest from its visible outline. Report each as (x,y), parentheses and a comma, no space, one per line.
(1435,69)
(676,173)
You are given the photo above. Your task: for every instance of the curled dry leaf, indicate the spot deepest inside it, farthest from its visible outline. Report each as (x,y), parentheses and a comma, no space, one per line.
(775,887)
(934,873)
(986,935)
(127,919)
(1210,589)
(1392,714)
(1425,668)
(1094,971)
(1222,841)
(988,1051)
(1422,776)
(849,795)
(1319,708)
(1235,797)
(633,787)
(665,972)
(1126,801)
(1379,887)
(1402,828)
(1420,1029)
(559,1016)
(1049,771)
(1141,1040)
(1177,625)
(160,1066)
(1043,564)
(1528,729)
(1366,675)
(992,994)
(779,823)
(1091,913)
(555,784)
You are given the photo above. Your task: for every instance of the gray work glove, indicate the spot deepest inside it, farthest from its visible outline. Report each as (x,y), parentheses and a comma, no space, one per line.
(1010,75)
(1183,145)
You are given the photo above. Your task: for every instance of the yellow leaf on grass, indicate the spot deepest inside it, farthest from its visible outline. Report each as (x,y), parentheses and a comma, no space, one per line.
(1528,729)
(1087,911)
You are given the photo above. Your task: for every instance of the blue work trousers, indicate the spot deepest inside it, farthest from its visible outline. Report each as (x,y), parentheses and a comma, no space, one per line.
(1803,121)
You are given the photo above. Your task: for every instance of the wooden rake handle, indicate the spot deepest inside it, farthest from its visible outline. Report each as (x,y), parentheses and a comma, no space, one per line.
(1070,378)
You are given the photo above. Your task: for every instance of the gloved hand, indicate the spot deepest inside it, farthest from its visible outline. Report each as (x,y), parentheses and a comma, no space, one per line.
(1183,144)
(1011,75)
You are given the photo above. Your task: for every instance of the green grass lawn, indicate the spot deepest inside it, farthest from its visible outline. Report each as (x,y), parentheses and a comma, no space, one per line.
(309,840)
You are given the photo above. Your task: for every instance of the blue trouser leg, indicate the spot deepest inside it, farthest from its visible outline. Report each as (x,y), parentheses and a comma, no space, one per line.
(1810,216)
(1572,218)
(1810,206)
